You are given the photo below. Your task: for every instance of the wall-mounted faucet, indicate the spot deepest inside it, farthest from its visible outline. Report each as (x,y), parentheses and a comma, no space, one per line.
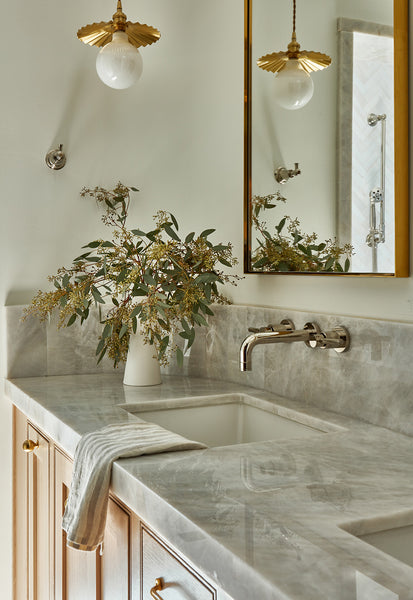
(337,338)
(282,174)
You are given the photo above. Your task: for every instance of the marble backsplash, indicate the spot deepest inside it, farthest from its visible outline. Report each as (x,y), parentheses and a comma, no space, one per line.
(373,381)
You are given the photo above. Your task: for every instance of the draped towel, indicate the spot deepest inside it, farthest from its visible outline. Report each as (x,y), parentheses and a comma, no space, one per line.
(84,519)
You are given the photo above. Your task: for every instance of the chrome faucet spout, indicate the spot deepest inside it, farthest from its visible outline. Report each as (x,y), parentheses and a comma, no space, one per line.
(277,336)
(337,339)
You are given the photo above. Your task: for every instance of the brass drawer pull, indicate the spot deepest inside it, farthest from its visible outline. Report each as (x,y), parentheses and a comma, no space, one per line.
(159,585)
(30,446)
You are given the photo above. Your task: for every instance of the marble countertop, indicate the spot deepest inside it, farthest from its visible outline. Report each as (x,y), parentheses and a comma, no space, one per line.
(268,520)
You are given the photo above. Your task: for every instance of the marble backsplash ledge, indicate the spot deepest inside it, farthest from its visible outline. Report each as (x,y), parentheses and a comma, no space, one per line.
(373,381)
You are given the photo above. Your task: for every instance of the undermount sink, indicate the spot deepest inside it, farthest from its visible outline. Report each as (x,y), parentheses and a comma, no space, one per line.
(398,542)
(228,420)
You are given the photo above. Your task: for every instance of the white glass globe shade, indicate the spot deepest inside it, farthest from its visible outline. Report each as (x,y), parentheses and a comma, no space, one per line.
(293,86)
(119,64)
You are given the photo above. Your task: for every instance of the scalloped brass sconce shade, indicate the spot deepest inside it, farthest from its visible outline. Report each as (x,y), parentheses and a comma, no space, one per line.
(119,63)
(294,88)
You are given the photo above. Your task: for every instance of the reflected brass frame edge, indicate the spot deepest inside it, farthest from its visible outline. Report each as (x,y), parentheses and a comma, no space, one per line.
(401,137)
(247,131)
(401,152)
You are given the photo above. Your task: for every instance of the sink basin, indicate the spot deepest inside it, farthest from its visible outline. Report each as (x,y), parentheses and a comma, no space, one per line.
(398,542)
(227,420)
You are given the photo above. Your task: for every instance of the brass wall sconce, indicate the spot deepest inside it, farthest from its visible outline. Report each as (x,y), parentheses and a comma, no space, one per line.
(119,63)
(56,159)
(293,85)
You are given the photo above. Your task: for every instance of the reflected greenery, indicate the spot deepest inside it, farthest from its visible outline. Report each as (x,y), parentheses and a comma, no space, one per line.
(285,247)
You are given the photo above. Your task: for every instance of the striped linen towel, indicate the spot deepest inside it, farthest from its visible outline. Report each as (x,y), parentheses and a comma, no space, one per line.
(84,519)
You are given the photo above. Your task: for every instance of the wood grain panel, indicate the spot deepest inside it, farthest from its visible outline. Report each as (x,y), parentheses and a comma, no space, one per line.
(181,582)
(20,504)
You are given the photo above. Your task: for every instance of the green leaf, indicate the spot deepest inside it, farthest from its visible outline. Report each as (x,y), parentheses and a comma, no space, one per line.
(107,245)
(174,221)
(199,319)
(139,291)
(283,267)
(280,225)
(102,355)
(207,232)
(185,326)
(260,262)
(65,280)
(56,284)
(329,263)
(100,346)
(171,233)
(205,309)
(206,278)
(148,279)
(163,345)
(123,330)
(191,337)
(347,265)
(136,311)
(138,232)
(96,295)
(114,300)
(134,324)
(107,331)
(71,320)
(179,357)
(81,257)
(189,237)
(122,275)
(94,244)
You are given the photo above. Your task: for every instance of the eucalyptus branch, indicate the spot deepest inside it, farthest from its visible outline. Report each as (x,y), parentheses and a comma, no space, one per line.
(164,282)
(285,247)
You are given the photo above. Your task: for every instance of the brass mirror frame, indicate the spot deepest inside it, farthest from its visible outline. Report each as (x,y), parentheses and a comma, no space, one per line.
(401,145)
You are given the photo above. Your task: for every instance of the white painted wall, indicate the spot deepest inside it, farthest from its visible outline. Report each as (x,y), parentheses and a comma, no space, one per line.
(177,136)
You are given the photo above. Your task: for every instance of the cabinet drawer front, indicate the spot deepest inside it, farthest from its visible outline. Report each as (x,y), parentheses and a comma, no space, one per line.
(179,580)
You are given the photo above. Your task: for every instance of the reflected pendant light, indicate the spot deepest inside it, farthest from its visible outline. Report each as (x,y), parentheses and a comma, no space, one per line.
(293,84)
(119,63)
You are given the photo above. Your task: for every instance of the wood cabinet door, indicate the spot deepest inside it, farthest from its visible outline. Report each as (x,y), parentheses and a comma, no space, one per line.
(89,575)
(20,505)
(32,575)
(39,511)
(167,574)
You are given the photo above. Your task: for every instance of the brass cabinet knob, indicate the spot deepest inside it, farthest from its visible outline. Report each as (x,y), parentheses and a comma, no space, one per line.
(159,585)
(30,446)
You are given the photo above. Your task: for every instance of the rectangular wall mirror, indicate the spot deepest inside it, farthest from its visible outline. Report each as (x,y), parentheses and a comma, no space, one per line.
(326,185)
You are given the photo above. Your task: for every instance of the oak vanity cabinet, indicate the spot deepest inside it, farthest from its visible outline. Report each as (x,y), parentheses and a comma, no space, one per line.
(136,564)
(44,567)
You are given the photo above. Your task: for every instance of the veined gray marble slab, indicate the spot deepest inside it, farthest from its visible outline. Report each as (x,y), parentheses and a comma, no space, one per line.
(268,520)
(372,382)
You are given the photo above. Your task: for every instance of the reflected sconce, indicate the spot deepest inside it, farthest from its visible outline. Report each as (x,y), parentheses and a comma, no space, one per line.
(293,84)
(119,63)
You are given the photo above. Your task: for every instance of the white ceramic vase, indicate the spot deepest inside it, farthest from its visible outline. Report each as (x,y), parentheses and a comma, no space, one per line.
(142,367)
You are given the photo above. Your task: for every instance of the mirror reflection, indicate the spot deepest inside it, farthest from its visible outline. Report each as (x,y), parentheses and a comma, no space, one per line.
(320,137)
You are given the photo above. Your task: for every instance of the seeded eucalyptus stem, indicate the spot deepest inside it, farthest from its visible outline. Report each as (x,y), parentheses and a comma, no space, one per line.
(285,247)
(156,278)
